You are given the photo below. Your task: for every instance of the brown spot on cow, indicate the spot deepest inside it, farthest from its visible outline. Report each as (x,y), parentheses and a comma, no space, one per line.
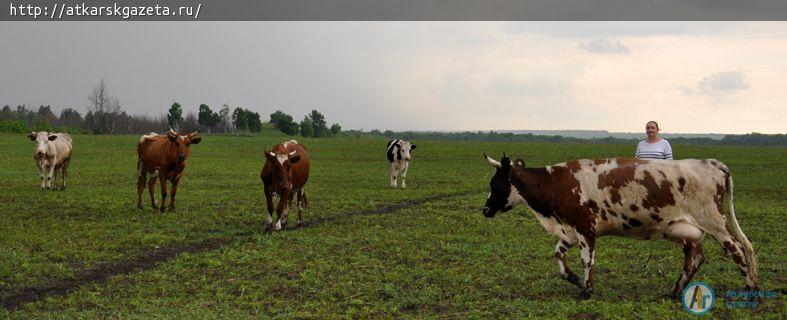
(599,162)
(626,227)
(573,166)
(558,202)
(633,207)
(635,222)
(719,199)
(659,195)
(681,184)
(655,217)
(617,178)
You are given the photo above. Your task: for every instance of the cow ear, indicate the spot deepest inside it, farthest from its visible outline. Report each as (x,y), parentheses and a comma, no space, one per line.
(520,163)
(196,139)
(295,159)
(32,136)
(269,155)
(52,137)
(172,137)
(412,147)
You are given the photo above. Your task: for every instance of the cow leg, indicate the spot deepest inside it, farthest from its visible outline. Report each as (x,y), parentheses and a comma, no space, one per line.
(152,190)
(269,200)
(41,173)
(49,177)
(736,251)
(54,178)
(587,251)
(393,175)
(301,205)
(64,170)
(280,208)
(163,182)
(561,250)
(141,179)
(404,174)
(172,194)
(693,259)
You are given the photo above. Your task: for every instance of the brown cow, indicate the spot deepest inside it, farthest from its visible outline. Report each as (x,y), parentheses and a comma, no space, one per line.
(164,157)
(284,173)
(582,200)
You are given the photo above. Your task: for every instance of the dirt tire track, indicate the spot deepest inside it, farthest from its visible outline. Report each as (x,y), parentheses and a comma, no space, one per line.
(13,298)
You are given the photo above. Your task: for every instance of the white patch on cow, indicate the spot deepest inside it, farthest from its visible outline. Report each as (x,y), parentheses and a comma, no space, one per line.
(514,198)
(549,169)
(281,158)
(278,225)
(183,138)
(147,136)
(153,173)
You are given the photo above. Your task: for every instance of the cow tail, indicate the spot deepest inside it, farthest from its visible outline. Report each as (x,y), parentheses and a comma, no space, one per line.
(751,258)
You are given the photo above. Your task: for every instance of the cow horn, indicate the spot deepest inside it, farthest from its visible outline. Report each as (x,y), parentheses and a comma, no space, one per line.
(291,153)
(505,155)
(172,131)
(492,162)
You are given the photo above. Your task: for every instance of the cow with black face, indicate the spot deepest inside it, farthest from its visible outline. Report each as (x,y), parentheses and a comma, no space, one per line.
(399,157)
(581,200)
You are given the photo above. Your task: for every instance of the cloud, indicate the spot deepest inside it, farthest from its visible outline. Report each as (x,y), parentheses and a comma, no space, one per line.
(537,86)
(722,82)
(604,45)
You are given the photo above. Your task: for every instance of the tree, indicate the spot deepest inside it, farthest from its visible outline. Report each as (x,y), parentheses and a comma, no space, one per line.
(6,113)
(105,109)
(224,116)
(336,128)
(175,116)
(70,118)
(319,124)
(253,118)
(284,123)
(240,120)
(207,118)
(307,127)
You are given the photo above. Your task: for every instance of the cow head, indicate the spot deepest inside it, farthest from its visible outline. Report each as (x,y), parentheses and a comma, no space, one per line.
(281,165)
(183,142)
(41,139)
(405,149)
(500,188)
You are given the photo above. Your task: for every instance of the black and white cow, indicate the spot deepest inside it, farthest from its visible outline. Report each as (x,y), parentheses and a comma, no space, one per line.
(581,200)
(399,159)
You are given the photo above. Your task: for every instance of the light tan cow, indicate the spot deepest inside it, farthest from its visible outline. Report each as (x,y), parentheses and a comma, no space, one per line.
(52,155)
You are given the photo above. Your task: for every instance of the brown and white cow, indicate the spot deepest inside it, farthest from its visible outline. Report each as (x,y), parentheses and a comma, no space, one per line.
(582,200)
(52,155)
(163,156)
(285,173)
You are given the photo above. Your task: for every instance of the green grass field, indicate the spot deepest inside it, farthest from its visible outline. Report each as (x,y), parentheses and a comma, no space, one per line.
(368,251)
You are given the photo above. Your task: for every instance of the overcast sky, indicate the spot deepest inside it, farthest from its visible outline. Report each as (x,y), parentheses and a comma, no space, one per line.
(703,77)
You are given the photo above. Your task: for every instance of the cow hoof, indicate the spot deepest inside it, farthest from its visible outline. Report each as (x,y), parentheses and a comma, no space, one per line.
(139,206)
(584,295)
(162,209)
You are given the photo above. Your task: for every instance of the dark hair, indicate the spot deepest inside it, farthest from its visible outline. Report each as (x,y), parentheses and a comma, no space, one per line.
(654,122)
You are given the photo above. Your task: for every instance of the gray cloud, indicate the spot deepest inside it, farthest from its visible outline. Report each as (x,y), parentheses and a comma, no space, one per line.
(604,45)
(722,82)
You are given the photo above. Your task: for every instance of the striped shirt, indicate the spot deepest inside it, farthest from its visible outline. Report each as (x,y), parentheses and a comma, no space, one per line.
(657,150)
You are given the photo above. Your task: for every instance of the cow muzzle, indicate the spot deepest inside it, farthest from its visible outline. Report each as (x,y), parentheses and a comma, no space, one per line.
(181,156)
(488,212)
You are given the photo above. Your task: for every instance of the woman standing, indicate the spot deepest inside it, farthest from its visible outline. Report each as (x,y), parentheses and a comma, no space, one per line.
(654,147)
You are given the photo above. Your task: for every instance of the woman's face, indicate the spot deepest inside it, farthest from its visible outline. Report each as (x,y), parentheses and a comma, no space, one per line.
(651,129)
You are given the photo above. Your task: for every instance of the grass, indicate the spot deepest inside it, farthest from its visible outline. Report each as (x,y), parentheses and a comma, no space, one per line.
(430,259)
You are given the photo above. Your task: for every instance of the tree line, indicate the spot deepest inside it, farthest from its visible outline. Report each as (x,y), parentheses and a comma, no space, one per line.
(105,115)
